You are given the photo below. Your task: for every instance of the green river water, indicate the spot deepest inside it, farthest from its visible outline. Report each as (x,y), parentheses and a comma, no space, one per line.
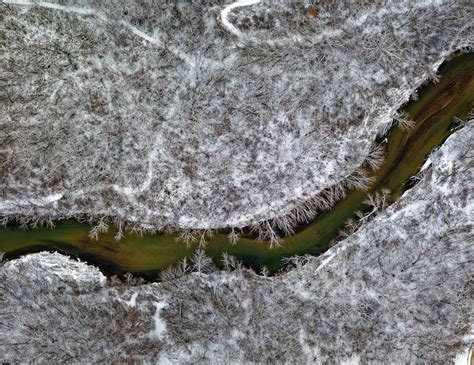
(406,152)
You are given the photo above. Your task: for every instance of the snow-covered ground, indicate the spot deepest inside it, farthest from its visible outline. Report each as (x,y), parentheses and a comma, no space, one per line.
(225,13)
(399,290)
(188,115)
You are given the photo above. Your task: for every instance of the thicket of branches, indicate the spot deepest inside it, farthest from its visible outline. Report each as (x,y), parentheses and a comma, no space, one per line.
(398,290)
(156,117)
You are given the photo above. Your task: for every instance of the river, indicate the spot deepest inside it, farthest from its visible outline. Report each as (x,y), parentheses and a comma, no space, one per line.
(406,151)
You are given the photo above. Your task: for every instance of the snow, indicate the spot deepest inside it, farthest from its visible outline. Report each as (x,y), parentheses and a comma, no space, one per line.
(213,132)
(217,131)
(41,201)
(59,268)
(160,326)
(165,360)
(88,11)
(395,290)
(44,4)
(326,261)
(133,300)
(463,358)
(225,12)
(354,360)
(426,165)
(177,52)
(51,198)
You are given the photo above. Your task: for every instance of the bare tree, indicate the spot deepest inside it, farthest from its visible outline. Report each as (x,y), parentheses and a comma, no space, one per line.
(230,263)
(404,122)
(188,236)
(200,262)
(233,236)
(100,227)
(375,157)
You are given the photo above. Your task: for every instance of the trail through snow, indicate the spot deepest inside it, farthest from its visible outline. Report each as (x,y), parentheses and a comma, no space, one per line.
(276,42)
(68,9)
(225,12)
(92,12)
(189,60)
(160,325)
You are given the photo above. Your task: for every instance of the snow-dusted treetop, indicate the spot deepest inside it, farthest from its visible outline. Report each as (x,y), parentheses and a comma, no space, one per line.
(202,114)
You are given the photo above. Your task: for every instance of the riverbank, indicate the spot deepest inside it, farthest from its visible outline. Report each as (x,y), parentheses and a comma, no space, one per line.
(214,130)
(405,152)
(396,291)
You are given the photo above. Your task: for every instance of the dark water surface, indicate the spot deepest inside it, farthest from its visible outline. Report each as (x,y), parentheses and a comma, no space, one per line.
(406,152)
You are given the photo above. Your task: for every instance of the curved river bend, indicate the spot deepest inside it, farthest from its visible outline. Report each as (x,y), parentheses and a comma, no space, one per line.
(406,152)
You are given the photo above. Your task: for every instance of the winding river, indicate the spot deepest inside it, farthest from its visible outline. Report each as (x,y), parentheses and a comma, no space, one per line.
(434,113)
